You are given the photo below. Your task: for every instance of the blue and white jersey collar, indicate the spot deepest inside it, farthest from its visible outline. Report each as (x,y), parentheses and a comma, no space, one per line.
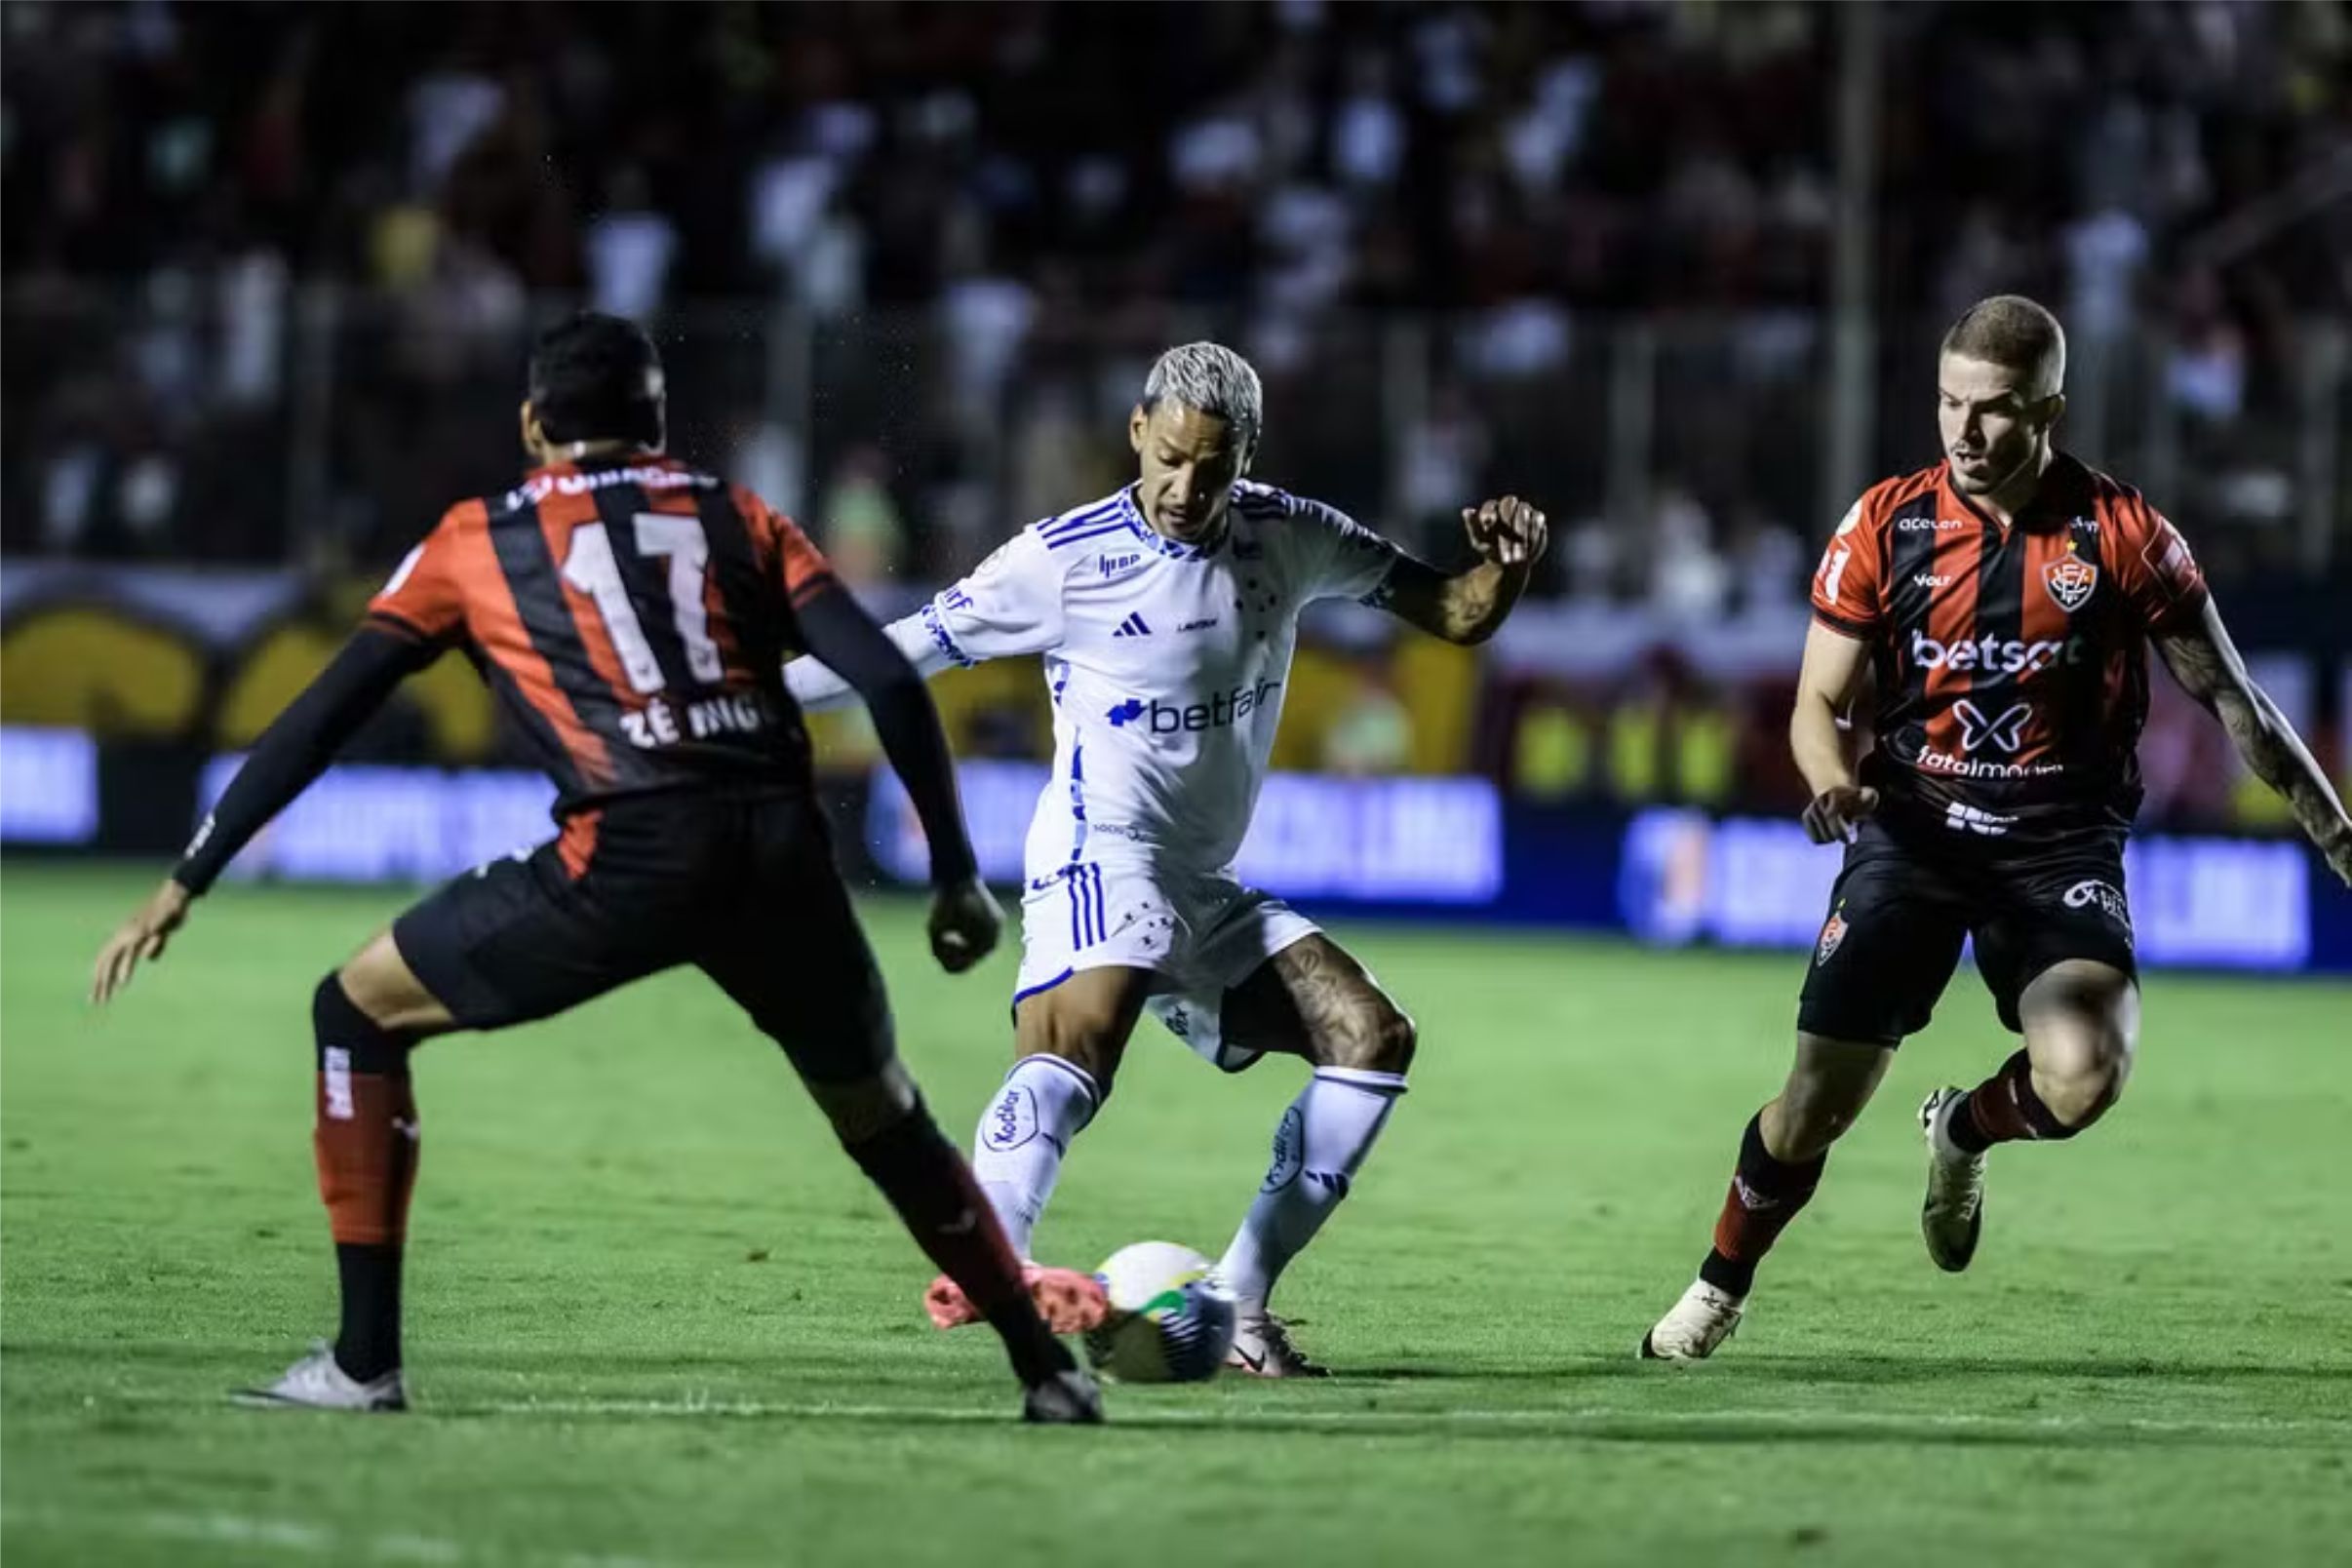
(1173,549)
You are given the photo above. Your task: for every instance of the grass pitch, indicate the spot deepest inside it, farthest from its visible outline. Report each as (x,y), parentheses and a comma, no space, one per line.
(657,1318)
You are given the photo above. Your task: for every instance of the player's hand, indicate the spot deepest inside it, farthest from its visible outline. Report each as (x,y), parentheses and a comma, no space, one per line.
(965,924)
(1510,533)
(141,936)
(1837,814)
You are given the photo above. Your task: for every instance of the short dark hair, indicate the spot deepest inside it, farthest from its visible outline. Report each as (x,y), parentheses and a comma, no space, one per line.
(2013,332)
(597,377)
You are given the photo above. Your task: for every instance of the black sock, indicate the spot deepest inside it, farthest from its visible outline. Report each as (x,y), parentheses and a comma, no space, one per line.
(1765,1195)
(1962,1129)
(369,1346)
(1035,1354)
(943,1208)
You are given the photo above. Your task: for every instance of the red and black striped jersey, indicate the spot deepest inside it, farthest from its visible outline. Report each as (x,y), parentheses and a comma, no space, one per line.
(2011,662)
(633,616)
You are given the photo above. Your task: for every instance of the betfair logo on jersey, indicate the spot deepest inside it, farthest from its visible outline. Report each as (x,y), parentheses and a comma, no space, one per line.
(1995,656)
(1220,711)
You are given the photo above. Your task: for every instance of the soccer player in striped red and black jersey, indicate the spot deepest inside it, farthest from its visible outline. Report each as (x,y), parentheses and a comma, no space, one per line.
(2003,601)
(633,614)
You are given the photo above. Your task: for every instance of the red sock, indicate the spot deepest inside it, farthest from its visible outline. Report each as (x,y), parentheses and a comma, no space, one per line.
(2004,1109)
(943,1208)
(366,1141)
(364,1136)
(1765,1195)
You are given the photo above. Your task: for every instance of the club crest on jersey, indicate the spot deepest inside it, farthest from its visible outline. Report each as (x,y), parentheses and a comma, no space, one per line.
(2071,582)
(1833,937)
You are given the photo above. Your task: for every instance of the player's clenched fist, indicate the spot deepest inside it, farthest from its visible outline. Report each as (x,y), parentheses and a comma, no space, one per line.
(1837,814)
(1509,532)
(965,924)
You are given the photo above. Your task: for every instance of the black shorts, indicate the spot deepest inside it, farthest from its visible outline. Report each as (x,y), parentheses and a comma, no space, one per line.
(1901,911)
(741,887)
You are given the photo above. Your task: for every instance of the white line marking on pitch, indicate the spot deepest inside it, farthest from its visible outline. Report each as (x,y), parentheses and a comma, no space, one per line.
(293,1536)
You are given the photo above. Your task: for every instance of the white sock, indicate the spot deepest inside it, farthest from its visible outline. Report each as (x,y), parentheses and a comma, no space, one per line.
(1318,1147)
(1017,1153)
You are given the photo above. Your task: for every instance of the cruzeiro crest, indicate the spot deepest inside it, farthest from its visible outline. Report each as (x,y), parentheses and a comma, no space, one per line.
(2071,582)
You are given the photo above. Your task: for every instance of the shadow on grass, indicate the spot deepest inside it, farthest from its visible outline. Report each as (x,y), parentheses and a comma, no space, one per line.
(858,1363)
(1865,1369)
(1223,1424)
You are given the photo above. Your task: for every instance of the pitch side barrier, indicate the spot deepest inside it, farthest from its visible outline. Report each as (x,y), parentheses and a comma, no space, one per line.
(1437,850)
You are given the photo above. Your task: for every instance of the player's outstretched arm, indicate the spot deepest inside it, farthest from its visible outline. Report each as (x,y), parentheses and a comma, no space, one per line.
(965,920)
(1818,738)
(2206,662)
(816,687)
(1508,537)
(292,753)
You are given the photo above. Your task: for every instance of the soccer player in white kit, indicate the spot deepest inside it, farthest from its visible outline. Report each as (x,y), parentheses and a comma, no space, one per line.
(1166,614)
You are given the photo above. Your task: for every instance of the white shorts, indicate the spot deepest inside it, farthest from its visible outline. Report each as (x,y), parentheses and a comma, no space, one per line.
(1203,933)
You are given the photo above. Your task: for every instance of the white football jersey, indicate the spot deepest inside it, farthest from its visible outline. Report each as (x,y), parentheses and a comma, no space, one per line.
(1167,664)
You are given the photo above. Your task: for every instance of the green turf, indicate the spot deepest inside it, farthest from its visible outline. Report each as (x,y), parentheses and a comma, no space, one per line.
(657,1319)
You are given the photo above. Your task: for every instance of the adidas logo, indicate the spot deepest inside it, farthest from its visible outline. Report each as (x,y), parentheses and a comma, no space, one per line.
(1132,626)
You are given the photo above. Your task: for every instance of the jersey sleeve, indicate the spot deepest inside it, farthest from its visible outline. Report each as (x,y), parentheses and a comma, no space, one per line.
(1336,556)
(1846,589)
(799,567)
(1011,603)
(2160,578)
(425,599)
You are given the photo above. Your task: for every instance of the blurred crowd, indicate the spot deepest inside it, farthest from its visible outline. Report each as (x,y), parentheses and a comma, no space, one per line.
(269,266)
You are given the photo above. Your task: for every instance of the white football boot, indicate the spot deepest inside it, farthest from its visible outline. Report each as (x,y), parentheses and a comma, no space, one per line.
(316,1383)
(1953,1215)
(1064,1400)
(1703,1319)
(1262,1349)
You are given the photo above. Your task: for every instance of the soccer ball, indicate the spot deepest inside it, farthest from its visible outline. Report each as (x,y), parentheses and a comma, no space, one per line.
(1168,1323)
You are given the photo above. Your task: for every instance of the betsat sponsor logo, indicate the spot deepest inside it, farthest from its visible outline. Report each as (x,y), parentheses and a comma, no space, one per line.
(1224,709)
(1996,655)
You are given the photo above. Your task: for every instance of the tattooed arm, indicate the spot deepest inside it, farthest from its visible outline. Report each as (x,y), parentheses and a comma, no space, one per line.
(1508,536)
(2206,663)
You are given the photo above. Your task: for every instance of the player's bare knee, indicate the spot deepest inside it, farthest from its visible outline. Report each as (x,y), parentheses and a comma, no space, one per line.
(2081,1030)
(1091,1044)
(380,983)
(2081,1085)
(1372,1035)
(2079,1099)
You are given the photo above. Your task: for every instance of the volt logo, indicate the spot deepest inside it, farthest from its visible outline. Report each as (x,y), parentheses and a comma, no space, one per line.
(2006,731)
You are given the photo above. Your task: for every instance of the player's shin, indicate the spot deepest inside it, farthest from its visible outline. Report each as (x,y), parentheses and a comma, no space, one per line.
(1321,1144)
(933,1189)
(1025,1131)
(365,1137)
(1765,1195)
